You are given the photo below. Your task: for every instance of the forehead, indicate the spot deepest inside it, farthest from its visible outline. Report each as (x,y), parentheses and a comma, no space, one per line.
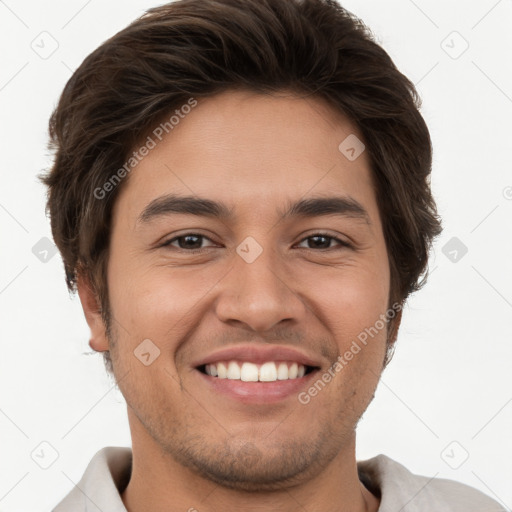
(253,152)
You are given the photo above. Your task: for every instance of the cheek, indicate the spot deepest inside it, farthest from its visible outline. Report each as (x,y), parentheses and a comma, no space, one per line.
(156,302)
(357,321)
(348,299)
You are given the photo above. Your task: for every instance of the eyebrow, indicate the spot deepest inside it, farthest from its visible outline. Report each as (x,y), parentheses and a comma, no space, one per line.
(169,204)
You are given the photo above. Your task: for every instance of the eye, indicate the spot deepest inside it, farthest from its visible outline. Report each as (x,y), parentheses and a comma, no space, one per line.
(192,242)
(319,241)
(189,242)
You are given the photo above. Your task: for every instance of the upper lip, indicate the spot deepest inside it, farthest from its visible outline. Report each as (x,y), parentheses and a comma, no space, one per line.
(259,354)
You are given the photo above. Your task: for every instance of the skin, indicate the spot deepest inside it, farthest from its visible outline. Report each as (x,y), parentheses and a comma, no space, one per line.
(197,449)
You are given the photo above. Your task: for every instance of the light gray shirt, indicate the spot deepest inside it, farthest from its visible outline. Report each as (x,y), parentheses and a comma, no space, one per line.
(108,473)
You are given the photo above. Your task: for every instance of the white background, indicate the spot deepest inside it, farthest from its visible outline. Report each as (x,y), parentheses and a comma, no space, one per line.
(450,379)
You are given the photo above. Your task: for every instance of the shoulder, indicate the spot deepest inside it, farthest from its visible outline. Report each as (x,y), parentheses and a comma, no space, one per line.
(401,489)
(105,476)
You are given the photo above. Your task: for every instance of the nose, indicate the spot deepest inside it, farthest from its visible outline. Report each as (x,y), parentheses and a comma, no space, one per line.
(260,294)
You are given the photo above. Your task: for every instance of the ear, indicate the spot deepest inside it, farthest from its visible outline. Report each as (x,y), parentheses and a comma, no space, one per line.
(392,336)
(395,324)
(92,311)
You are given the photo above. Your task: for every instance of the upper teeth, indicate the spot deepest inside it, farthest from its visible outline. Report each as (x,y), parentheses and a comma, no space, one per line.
(251,372)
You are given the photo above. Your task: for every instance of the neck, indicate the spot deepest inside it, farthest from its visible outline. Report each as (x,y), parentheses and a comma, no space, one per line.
(160,484)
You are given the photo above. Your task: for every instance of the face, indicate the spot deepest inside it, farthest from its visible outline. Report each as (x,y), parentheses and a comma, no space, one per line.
(258,286)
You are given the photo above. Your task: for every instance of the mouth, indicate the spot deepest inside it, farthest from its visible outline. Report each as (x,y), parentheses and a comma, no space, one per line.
(247,371)
(250,383)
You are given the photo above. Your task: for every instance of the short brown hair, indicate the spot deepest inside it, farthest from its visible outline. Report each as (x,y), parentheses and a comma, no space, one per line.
(197,48)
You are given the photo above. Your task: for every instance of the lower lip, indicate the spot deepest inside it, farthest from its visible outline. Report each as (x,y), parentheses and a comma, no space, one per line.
(258,392)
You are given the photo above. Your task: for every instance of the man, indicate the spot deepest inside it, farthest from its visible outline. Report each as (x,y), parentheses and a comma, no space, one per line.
(241,197)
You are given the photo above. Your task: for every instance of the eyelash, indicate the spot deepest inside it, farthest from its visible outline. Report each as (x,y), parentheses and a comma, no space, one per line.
(342,243)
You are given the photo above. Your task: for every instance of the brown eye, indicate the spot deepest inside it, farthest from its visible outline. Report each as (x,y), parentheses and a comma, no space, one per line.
(323,241)
(190,242)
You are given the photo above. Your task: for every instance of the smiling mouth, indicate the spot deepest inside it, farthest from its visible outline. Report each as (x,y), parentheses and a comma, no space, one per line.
(245,371)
